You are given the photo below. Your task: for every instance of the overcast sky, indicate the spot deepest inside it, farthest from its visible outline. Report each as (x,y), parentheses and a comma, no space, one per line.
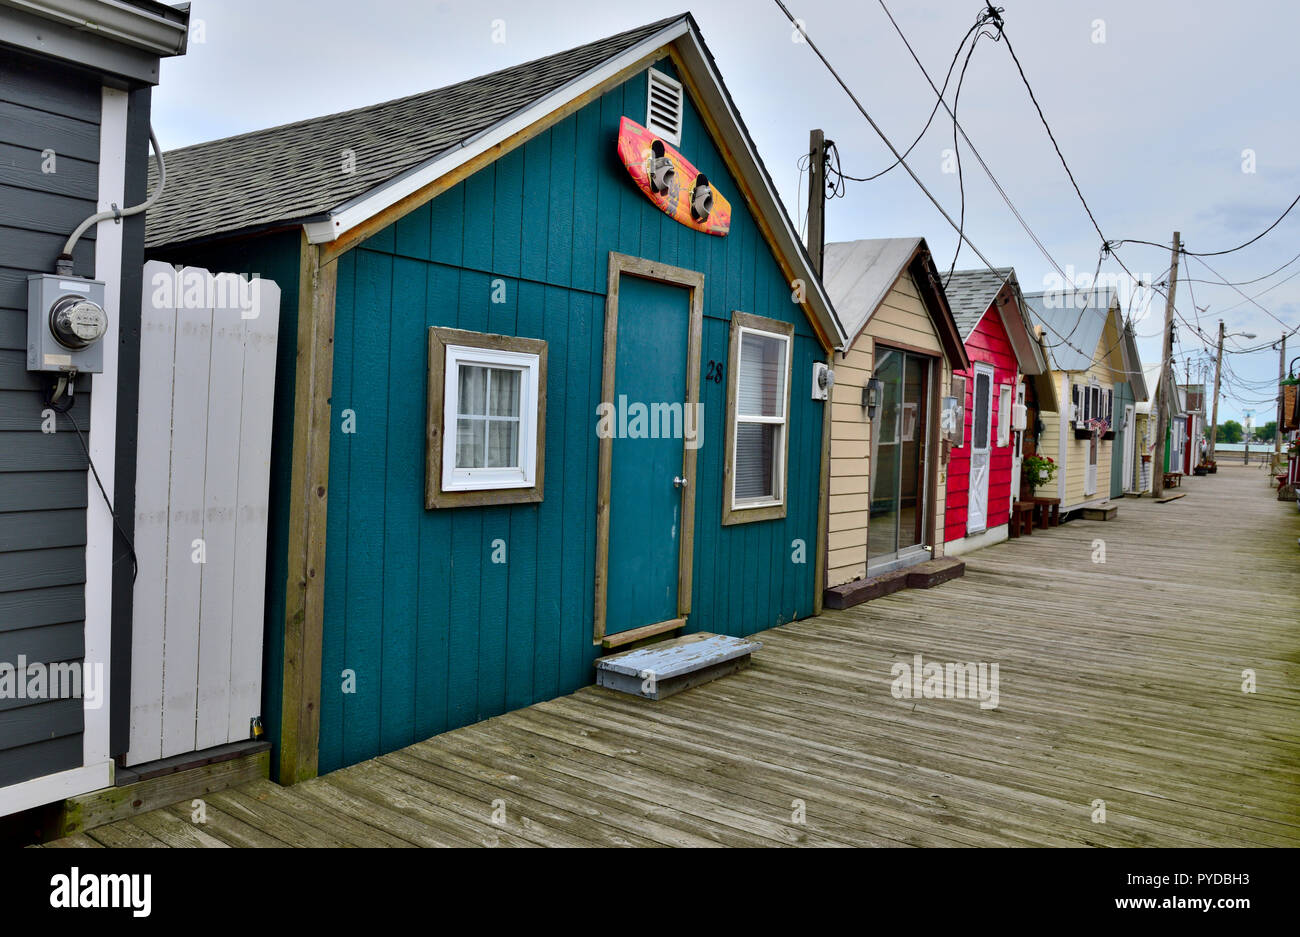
(1153,120)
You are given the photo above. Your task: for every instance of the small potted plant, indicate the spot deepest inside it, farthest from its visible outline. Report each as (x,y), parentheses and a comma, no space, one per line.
(1036,472)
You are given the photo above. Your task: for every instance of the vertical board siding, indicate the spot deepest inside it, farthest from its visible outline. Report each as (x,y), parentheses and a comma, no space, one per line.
(438,634)
(987,343)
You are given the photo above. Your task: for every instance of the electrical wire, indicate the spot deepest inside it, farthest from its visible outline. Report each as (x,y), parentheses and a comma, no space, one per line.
(1238,291)
(135,562)
(1230,250)
(964,238)
(117,213)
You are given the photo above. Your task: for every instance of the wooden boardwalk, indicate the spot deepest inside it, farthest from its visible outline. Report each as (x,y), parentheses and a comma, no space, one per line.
(1119,682)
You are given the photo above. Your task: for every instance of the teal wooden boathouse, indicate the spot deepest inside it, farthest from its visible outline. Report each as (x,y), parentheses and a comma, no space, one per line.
(468,275)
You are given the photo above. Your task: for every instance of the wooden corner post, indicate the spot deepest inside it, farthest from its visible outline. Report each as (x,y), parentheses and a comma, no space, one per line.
(304,610)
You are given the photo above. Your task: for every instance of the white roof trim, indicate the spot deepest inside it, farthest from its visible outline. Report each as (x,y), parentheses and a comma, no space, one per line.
(358,210)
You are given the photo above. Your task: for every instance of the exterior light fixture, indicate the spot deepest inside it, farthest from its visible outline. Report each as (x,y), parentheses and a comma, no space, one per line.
(871,396)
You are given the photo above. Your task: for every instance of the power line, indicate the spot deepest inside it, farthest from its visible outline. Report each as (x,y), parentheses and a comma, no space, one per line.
(1243,295)
(1231,250)
(934,110)
(1256,279)
(995,16)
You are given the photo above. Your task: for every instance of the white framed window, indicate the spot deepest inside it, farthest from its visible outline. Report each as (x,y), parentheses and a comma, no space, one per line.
(490,404)
(758,418)
(487,419)
(664,106)
(1004,415)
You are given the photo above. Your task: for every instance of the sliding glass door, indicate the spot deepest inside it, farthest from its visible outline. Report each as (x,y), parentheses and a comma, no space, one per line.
(900,457)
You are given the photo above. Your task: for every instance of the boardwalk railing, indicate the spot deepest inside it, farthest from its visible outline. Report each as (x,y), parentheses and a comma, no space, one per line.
(207,379)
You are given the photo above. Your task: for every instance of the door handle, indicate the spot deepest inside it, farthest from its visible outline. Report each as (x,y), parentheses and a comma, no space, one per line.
(679,481)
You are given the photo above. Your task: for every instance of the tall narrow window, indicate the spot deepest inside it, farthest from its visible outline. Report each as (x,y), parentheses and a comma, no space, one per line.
(983,396)
(758,418)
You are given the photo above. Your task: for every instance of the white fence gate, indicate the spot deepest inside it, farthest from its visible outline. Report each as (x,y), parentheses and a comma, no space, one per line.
(207,381)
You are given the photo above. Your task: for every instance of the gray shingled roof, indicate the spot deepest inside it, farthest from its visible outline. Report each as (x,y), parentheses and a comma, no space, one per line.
(971,292)
(292,172)
(1073,324)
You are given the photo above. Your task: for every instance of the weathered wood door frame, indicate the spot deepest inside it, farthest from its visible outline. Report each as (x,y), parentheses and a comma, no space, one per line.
(620,265)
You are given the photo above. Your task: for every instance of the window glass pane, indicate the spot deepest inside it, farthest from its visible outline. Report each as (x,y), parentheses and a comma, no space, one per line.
(980,429)
(471,443)
(756,448)
(503,444)
(472,399)
(504,392)
(760,389)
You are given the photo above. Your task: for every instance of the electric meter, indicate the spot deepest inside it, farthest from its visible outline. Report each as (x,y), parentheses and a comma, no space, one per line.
(66,324)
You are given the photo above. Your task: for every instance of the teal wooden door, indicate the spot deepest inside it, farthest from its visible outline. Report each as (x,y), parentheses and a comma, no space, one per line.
(645,504)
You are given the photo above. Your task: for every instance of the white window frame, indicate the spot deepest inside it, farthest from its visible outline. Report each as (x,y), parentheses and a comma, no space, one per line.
(778,446)
(757,509)
(491,479)
(1005,403)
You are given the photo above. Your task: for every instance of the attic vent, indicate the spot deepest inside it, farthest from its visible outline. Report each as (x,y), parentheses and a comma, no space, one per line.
(664,107)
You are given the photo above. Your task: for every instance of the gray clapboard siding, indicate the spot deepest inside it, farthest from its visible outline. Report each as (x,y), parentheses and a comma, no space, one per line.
(47,757)
(26,82)
(13,330)
(45,212)
(34,452)
(43,491)
(60,642)
(21,410)
(36,251)
(35,569)
(30,608)
(20,167)
(24,126)
(43,478)
(38,530)
(40,720)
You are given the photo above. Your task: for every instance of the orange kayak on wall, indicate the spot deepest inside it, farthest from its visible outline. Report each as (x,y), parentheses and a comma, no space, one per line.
(670,181)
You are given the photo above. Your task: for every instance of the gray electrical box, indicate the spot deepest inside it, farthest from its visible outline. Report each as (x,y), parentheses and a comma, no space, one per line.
(66,323)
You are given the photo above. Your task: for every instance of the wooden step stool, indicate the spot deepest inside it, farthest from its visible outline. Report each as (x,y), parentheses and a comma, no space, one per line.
(1022,518)
(1048,511)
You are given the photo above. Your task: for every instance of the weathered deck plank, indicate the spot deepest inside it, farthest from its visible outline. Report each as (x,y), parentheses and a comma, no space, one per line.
(1120,681)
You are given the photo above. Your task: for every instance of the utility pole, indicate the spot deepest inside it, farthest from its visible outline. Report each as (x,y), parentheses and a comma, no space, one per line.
(1218,371)
(1162,405)
(1281,376)
(817,198)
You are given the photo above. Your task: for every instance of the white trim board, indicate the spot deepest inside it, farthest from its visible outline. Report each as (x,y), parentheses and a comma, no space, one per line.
(51,787)
(103,420)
